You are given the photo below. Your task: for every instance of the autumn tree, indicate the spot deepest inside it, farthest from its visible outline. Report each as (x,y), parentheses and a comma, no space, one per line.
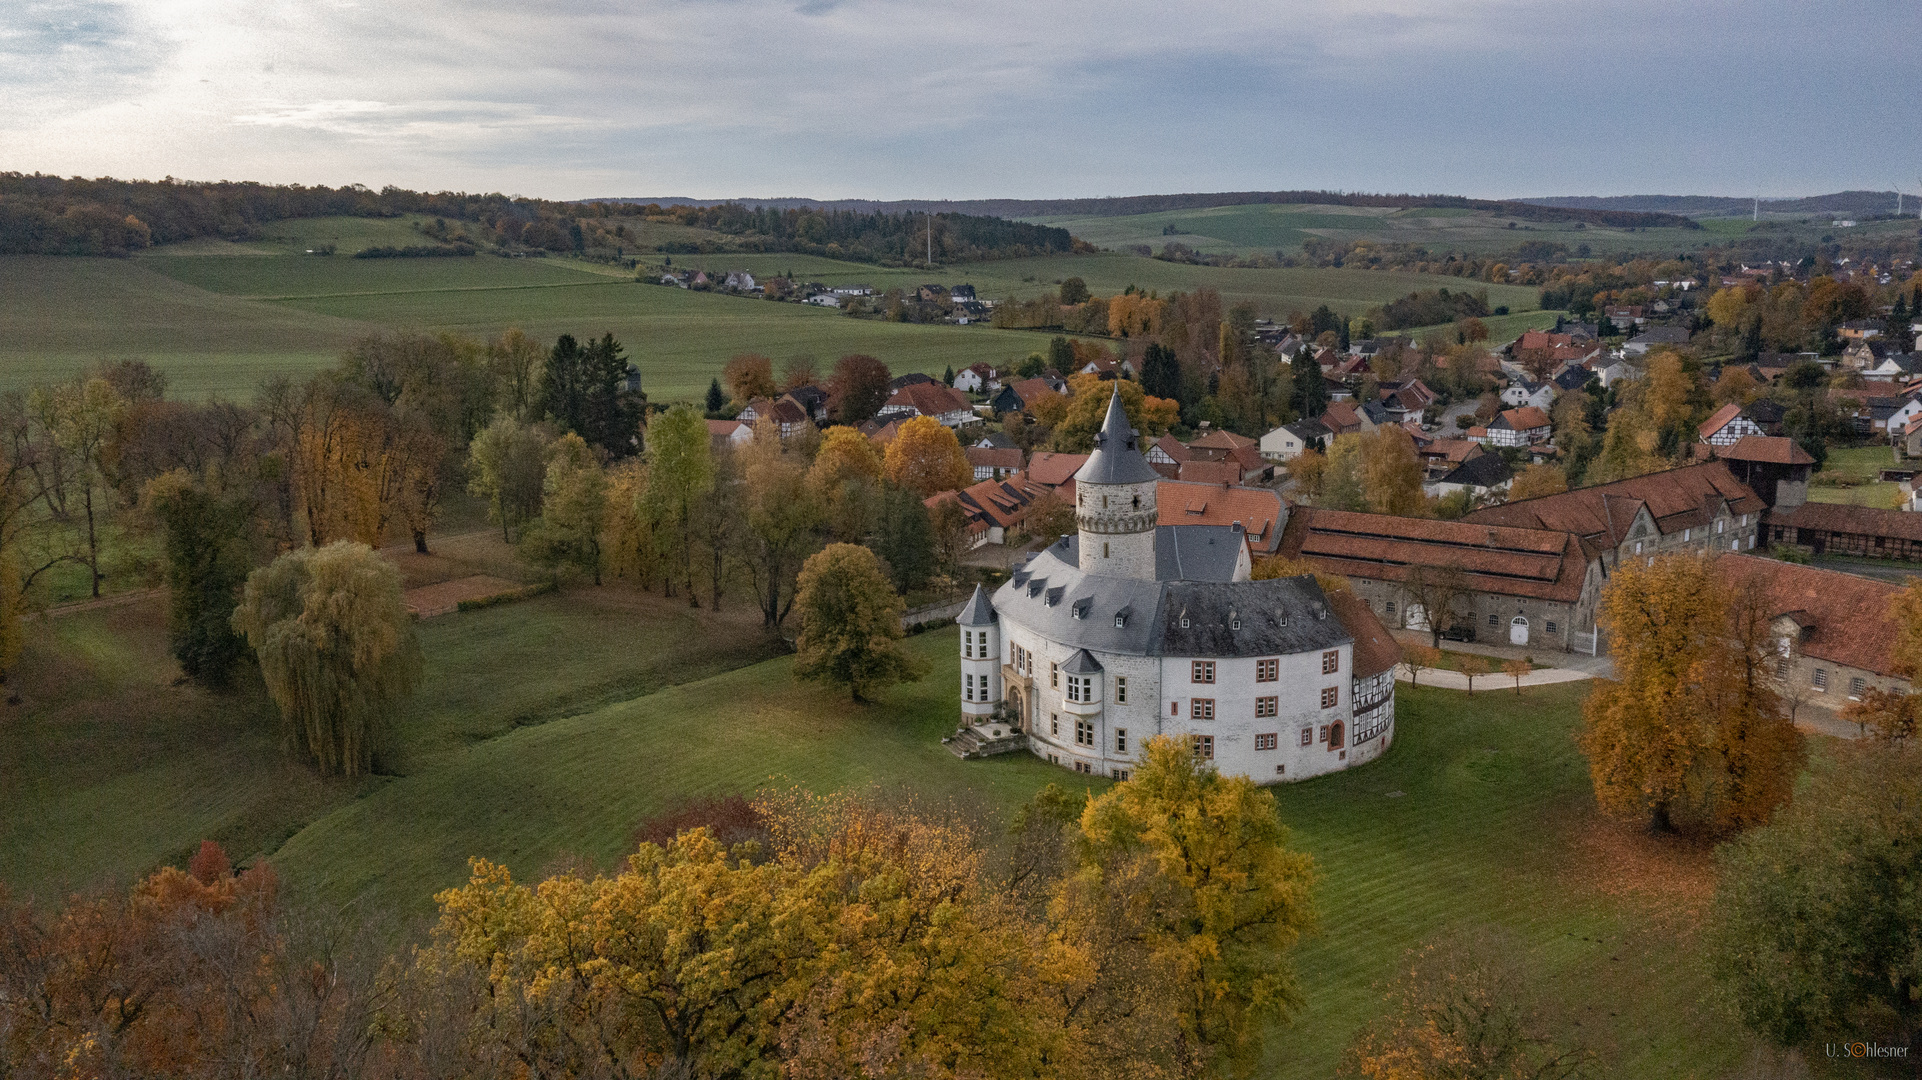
(507,463)
(517,366)
(1391,473)
(73,475)
(337,650)
(719,523)
(1186,878)
(1536,481)
(1689,733)
(205,535)
(680,473)
(851,624)
(844,476)
(1472,666)
(785,512)
(1420,658)
(749,376)
(1087,406)
(1433,598)
(628,551)
(573,510)
(1813,912)
(925,457)
(857,389)
(1516,669)
(797,371)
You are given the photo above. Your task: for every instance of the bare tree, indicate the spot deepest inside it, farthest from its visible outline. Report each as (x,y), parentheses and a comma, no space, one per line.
(1438,591)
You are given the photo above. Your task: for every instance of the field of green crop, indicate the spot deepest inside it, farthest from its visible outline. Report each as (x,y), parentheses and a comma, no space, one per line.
(551,728)
(1268,228)
(219,316)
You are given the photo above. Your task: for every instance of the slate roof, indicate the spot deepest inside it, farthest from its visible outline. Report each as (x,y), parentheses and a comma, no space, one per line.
(1197,552)
(1535,563)
(1676,499)
(1082,663)
(979,611)
(1117,458)
(1482,470)
(1845,618)
(1662,335)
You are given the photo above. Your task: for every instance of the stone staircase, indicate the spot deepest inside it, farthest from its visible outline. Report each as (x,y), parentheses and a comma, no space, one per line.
(972,742)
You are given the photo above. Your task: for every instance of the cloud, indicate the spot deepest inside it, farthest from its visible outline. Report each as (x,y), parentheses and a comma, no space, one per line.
(892,98)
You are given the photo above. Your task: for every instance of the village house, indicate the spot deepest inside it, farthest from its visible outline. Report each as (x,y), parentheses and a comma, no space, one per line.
(1520,586)
(1862,329)
(1022,394)
(1406,400)
(812,400)
(1286,442)
(1838,529)
(728,434)
(1523,392)
(929,398)
(977,379)
(994,463)
(1520,427)
(1131,629)
(996,510)
(790,417)
(1613,369)
(1440,456)
(1776,469)
(1342,418)
(1055,471)
(1727,426)
(828,300)
(1480,476)
(1625,317)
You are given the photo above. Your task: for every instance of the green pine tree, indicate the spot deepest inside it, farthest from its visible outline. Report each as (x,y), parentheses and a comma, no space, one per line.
(716,398)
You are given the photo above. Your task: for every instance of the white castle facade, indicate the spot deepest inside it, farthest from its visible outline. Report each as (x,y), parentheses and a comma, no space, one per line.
(1129,630)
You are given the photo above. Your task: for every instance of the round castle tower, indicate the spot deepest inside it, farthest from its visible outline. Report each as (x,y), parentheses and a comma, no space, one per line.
(1115,502)
(980,658)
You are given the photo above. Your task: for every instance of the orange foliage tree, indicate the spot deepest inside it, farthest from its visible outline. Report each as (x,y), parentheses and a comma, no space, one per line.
(926,457)
(749,376)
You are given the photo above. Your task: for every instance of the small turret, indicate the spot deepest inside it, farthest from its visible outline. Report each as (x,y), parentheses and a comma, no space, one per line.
(980,658)
(1115,501)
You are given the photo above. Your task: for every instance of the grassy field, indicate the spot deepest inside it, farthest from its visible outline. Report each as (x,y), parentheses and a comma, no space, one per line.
(218,316)
(1859,466)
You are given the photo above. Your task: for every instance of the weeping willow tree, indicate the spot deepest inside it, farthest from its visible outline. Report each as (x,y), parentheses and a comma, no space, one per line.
(336,647)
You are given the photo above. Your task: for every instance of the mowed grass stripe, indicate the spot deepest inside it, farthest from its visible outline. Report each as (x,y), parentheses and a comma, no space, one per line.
(448,289)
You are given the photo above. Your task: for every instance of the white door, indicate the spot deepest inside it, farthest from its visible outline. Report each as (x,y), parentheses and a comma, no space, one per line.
(1518,631)
(1417,618)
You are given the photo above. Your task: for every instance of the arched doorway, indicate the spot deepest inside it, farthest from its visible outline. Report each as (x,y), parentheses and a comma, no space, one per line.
(1337,735)
(1417,618)
(1518,631)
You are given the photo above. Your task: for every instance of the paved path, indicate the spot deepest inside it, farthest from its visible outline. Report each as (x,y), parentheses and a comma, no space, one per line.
(116,600)
(1455,680)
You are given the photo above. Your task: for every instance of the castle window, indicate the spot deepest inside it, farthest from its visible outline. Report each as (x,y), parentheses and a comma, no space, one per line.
(1204,747)
(1174,708)
(1307,736)
(1118,774)
(1267,742)
(1120,689)
(1265,707)
(1104,549)
(1084,732)
(1203,671)
(1137,502)
(1321,734)
(1081,688)
(1202,708)
(1054,723)
(1104,502)
(1054,676)
(1330,697)
(1268,670)
(1330,662)
(967,688)
(1121,740)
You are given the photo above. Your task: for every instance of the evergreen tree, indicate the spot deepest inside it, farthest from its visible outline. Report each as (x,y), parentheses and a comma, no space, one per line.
(563,385)
(1311,392)
(1061,356)
(716,398)
(610,415)
(904,538)
(1752,339)
(1161,373)
(1342,342)
(948,376)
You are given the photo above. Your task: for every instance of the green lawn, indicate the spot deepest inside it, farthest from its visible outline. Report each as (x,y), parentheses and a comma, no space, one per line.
(107,769)
(1860,465)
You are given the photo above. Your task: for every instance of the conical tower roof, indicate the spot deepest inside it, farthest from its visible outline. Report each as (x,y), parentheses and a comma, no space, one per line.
(1116,458)
(978,612)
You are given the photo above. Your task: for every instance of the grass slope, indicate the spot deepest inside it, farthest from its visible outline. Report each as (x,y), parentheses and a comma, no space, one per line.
(108,769)
(1492,823)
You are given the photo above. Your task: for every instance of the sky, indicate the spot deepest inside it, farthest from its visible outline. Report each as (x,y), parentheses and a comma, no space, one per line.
(972,98)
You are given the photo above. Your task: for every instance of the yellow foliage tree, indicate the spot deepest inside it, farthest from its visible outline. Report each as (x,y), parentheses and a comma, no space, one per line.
(1689,733)
(1135,315)
(1391,473)
(1074,432)
(926,457)
(1536,481)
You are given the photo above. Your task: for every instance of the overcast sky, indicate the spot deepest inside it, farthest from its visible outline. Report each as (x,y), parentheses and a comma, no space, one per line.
(957,99)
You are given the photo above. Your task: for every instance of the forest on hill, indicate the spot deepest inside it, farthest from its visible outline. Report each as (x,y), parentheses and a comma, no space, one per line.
(1854,203)
(51,215)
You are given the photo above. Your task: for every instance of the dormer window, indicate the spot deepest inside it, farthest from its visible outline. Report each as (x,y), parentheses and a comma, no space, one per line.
(1234,622)
(1120,621)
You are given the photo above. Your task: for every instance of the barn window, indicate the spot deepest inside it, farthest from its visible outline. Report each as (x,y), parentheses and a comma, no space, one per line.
(1820,680)
(1858,686)
(1551,626)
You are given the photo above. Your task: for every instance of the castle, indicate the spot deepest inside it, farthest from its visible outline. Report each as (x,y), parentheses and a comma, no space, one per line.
(1131,629)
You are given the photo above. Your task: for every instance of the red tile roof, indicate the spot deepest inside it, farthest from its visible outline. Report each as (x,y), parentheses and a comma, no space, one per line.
(1525,418)
(1859,520)
(1769,449)
(1032,390)
(1259,510)
(994,502)
(1537,563)
(1341,417)
(1375,650)
(993,457)
(1676,498)
(1211,472)
(929,399)
(1721,419)
(1845,618)
(1054,470)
